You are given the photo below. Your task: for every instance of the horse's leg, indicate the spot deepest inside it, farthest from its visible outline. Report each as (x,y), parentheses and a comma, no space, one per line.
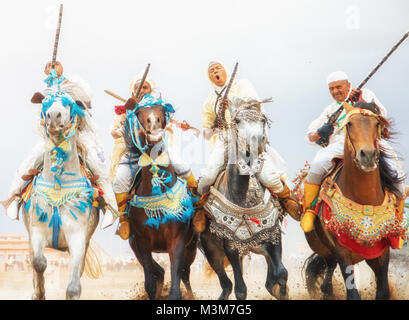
(144,257)
(380,268)
(39,262)
(326,287)
(159,274)
(176,256)
(77,246)
(347,270)
(189,257)
(277,275)
(215,256)
(236,262)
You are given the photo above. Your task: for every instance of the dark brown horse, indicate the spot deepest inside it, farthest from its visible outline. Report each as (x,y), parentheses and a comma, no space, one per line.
(364,178)
(176,238)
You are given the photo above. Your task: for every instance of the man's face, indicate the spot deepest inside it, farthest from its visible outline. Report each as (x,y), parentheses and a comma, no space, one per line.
(146,88)
(339,89)
(217,74)
(57,67)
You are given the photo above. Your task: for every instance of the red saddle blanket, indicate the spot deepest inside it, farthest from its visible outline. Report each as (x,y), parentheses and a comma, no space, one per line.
(344,237)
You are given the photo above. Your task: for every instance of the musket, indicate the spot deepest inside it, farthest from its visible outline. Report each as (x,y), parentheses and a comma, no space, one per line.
(57,38)
(142,81)
(220,121)
(323,142)
(115,96)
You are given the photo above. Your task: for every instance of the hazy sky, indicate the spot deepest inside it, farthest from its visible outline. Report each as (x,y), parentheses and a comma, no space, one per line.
(286,48)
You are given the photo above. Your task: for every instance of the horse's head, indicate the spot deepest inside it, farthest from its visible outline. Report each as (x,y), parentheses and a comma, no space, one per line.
(363,127)
(250,124)
(152,115)
(59,111)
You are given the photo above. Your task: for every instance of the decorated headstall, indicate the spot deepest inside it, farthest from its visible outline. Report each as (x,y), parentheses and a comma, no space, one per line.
(160,176)
(383,122)
(59,151)
(249,111)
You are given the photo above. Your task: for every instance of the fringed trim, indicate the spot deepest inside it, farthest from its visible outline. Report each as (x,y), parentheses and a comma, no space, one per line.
(272,235)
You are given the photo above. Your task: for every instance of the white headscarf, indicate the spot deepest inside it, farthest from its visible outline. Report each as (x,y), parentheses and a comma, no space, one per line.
(337,76)
(213,62)
(137,79)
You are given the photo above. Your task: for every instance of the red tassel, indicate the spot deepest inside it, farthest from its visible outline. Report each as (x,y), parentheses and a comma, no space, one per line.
(120,110)
(256,221)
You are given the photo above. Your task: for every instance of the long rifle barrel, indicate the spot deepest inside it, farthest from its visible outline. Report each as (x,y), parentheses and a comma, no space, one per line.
(383,61)
(57,38)
(142,81)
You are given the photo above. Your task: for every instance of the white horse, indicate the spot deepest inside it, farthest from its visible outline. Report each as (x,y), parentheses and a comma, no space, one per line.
(60,212)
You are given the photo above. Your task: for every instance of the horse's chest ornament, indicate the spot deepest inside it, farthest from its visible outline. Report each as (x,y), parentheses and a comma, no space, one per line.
(366,224)
(68,195)
(244,227)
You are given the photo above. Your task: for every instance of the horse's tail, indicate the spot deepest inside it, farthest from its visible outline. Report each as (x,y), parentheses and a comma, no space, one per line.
(92,266)
(314,266)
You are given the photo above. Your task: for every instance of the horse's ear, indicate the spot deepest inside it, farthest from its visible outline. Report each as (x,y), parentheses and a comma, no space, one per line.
(79,103)
(37,97)
(130,104)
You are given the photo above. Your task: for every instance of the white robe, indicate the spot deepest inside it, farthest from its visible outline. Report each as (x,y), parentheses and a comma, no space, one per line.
(322,162)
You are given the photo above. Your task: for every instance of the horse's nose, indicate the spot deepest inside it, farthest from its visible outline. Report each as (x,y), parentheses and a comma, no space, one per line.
(368,156)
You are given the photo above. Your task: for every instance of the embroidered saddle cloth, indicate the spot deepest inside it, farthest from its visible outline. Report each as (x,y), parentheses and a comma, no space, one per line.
(241,224)
(365,229)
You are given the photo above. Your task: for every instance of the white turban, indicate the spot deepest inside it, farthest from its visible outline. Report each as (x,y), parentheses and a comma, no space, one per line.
(137,79)
(337,76)
(211,63)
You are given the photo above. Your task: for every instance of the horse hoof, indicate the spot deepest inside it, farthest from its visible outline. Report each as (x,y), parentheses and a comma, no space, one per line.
(35,297)
(279,292)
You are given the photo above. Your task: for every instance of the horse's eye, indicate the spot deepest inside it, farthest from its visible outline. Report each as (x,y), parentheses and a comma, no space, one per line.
(157,119)
(237,120)
(349,124)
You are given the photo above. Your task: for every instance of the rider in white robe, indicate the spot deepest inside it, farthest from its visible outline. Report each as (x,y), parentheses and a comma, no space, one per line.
(88,138)
(322,162)
(272,175)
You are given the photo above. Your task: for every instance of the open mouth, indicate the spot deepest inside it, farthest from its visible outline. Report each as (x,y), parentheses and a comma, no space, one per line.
(155,136)
(217,77)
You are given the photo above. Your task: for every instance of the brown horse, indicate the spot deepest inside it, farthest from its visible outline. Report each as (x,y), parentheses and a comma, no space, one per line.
(364,178)
(177,238)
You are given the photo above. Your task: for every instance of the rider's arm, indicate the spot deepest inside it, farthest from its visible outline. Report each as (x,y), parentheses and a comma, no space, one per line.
(312,134)
(208,117)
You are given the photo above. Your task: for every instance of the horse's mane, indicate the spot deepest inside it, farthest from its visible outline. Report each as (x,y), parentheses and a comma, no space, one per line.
(389,177)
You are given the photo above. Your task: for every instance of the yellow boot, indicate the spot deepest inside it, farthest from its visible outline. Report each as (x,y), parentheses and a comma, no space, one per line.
(199,218)
(124,229)
(290,205)
(192,183)
(310,193)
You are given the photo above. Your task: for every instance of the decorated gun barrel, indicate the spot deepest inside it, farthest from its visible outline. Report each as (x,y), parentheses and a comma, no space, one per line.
(145,74)
(57,38)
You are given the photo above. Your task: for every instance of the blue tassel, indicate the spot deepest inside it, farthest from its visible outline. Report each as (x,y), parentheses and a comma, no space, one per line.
(55,223)
(73,214)
(27,205)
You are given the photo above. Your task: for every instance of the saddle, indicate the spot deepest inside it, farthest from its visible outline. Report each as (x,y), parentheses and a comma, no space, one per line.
(365,229)
(245,227)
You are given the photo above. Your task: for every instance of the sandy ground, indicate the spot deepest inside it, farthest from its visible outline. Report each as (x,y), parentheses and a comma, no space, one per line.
(128,284)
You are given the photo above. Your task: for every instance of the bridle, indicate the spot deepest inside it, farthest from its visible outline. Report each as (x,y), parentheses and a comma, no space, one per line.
(248,112)
(382,123)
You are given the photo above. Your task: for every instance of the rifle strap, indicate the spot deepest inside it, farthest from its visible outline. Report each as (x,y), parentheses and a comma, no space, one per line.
(218,96)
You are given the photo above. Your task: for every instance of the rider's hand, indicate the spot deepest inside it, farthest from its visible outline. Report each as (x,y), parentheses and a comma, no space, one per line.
(356,95)
(224,103)
(326,130)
